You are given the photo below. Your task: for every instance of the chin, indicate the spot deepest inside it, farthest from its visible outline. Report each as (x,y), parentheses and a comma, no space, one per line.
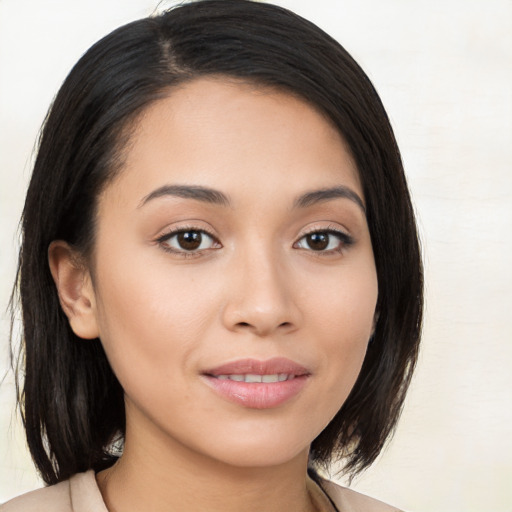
(258,451)
(263,457)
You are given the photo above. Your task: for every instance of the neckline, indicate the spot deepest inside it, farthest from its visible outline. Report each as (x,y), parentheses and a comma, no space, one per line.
(86,495)
(321,500)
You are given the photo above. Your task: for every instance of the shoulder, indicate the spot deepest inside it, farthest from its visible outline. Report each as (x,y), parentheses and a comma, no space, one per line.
(55,498)
(352,501)
(78,494)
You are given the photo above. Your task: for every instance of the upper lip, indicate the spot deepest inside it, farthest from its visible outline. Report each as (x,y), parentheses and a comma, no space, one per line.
(257,367)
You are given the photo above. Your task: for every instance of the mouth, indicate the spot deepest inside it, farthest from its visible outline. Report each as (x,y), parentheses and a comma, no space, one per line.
(254,377)
(258,384)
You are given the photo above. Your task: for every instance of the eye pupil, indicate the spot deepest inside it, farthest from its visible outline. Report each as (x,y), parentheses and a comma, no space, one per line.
(190,240)
(318,241)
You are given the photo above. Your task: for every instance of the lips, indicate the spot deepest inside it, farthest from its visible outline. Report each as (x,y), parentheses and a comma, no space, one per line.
(258,384)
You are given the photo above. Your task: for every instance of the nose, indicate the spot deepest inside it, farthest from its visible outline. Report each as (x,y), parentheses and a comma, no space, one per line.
(260,294)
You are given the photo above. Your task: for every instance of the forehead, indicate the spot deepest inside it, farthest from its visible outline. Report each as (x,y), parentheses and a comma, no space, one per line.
(221,133)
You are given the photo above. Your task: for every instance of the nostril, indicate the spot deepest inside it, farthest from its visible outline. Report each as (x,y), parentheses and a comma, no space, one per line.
(247,324)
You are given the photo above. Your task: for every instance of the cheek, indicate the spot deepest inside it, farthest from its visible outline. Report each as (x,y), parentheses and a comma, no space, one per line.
(344,307)
(149,316)
(344,314)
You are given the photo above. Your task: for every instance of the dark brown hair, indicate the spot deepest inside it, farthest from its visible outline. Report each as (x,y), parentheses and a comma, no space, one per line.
(71,401)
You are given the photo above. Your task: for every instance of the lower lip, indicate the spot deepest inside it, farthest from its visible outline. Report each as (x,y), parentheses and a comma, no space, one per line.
(258,395)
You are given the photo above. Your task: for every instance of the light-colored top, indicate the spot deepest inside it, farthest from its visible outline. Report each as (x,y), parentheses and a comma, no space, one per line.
(81,494)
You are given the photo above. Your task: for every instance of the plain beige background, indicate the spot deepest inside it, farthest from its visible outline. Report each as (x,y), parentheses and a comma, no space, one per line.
(444,72)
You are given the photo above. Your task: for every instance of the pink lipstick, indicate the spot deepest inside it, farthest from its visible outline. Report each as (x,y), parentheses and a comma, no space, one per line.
(258,384)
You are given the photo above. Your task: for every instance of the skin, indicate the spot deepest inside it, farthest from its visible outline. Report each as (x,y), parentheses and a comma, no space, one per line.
(256,289)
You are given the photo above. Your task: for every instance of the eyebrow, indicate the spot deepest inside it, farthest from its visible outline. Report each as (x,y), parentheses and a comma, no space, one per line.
(212,196)
(197,192)
(326,194)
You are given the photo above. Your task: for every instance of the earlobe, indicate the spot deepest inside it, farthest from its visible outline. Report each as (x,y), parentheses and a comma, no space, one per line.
(74,287)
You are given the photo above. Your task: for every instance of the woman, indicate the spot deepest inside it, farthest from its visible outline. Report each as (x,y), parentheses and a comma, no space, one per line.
(220,276)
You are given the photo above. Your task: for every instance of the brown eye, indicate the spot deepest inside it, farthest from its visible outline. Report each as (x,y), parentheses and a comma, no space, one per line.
(188,240)
(325,241)
(318,241)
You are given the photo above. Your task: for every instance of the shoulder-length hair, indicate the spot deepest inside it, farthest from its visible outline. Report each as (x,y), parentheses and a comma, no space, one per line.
(71,402)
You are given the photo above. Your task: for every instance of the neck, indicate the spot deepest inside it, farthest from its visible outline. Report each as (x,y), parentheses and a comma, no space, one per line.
(164,477)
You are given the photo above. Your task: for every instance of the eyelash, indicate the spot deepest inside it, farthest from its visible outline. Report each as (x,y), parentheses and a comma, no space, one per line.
(345,241)
(186,229)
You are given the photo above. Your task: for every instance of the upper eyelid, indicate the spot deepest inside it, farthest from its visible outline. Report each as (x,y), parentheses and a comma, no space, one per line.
(182,229)
(325,229)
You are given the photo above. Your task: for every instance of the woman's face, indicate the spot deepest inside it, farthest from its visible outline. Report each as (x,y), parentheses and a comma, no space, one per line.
(234,285)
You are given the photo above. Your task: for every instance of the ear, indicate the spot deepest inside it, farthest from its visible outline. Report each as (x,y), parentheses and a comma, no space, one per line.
(74,286)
